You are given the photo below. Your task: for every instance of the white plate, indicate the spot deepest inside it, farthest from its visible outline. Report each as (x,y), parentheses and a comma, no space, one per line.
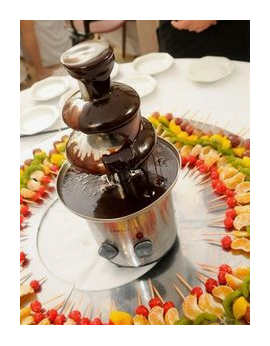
(115,70)
(152,63)
(142,83)
(49,88)
(209,69)
(37,119)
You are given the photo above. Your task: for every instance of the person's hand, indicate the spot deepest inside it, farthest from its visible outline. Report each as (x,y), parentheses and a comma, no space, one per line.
(43,73)
(193,25)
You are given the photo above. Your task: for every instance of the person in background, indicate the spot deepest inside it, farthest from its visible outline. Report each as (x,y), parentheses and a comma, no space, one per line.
(42,43)
(198,38)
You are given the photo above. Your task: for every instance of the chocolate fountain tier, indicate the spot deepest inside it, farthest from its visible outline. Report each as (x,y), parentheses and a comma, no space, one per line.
(97,197)
(118,108)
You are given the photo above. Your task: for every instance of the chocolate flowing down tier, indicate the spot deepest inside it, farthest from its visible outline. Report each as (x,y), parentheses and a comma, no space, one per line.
(94,196)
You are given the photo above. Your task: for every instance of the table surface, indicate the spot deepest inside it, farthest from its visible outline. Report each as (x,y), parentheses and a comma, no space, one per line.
(226,100)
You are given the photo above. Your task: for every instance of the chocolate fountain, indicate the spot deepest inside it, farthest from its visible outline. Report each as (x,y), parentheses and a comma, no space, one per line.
(119,175)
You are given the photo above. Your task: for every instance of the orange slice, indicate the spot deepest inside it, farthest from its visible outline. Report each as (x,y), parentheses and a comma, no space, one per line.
(233,282)
(155,316)
(242,187)
(186,150)
(241,220)
(211,158)
(241,272)
(190,307)
(242,209)
(243,198)
(228,172)
(221,291)
(140,320)
(196,150)
(208,304)
(205,151)
(232,182)
(222,163)
(240,234)
(171,316)
(241,244)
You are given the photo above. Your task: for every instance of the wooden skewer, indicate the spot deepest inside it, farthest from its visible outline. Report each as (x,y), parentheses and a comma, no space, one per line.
(52,299)
(98,313)
(113,305)
(217,199)
(185,283)
(186,173)
(207,268)
(25,278)
(193,116)
(139,298)
(205,187)
(245,132)
(203,182)
(226,125)
(68,308)
(216,225)
(43,280)
(180,293)
(58,306)
(217,206)
(67,299)
(243,129)
(213,234)
(151,288)
(158,294)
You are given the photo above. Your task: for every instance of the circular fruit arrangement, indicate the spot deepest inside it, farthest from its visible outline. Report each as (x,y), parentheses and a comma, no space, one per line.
(222,160)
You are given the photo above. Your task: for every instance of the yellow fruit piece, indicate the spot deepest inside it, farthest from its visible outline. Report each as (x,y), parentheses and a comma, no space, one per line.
(239,151)
(208,304)
(29,320)
(242,187)
(153,120)
(155,316)
(56,158)
(217,138)
(239,307)
(178,145)
(241,244)
(193,139)
(186,150)
(46,321)
(211,158)
(171,316)
(222,162)
(25,290)
(241,272)
(190,307)
(24,312)
(227,172)
(233,282)
(183,135)
(246,161)
(242,209)
(243,198)
(205,151)
(176,129)
(196,150)
(21,172)
(221,291)
(121,318)
(232,182)
(140,320)
(241,221)
(240,234)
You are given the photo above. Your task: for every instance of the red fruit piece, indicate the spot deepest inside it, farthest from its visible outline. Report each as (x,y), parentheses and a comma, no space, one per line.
(46,179)
(178,121)
(24,209)
(142,310)
(220,188)
(168,305)
(85,321)
(22,257)
(226,242)
(214,183)
(230,213)
(75,315)
(225,268)
(155,115)
(231,202)
(214,175)
(139,235)
(21,199)
(189,129)
(38,317)
(36,306)
(41,190)
(35,285)
(155,302)
(199,163)
(52,314)
(228,222)
(221,278)
(54,168)
(96,321)
(169,116)
(191,159)
(36,197)
(210,284)
(203,169)
(184,161)
(60,319)
(229,193)
(197,291)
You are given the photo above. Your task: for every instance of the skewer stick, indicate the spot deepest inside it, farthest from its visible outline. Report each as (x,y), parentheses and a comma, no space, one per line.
(98,313)
(243,129)
(205,187)
(203,182)
(193,115)
(205,121)
(67,299)
(158,294)
(180,293)
(89,310)
(216,225)
(25,278)
(226,125)
(217,206)
(186,166)
(217,199)
(139,298)
(151,288)
(245,132)
(207,268)
(184,282)
(203,278)
(213,234)
(52,299)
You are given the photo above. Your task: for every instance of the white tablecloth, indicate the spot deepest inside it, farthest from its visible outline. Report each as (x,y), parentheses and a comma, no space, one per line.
(227,100)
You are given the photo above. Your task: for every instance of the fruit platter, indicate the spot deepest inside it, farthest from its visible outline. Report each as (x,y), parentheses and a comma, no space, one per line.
(203,279)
